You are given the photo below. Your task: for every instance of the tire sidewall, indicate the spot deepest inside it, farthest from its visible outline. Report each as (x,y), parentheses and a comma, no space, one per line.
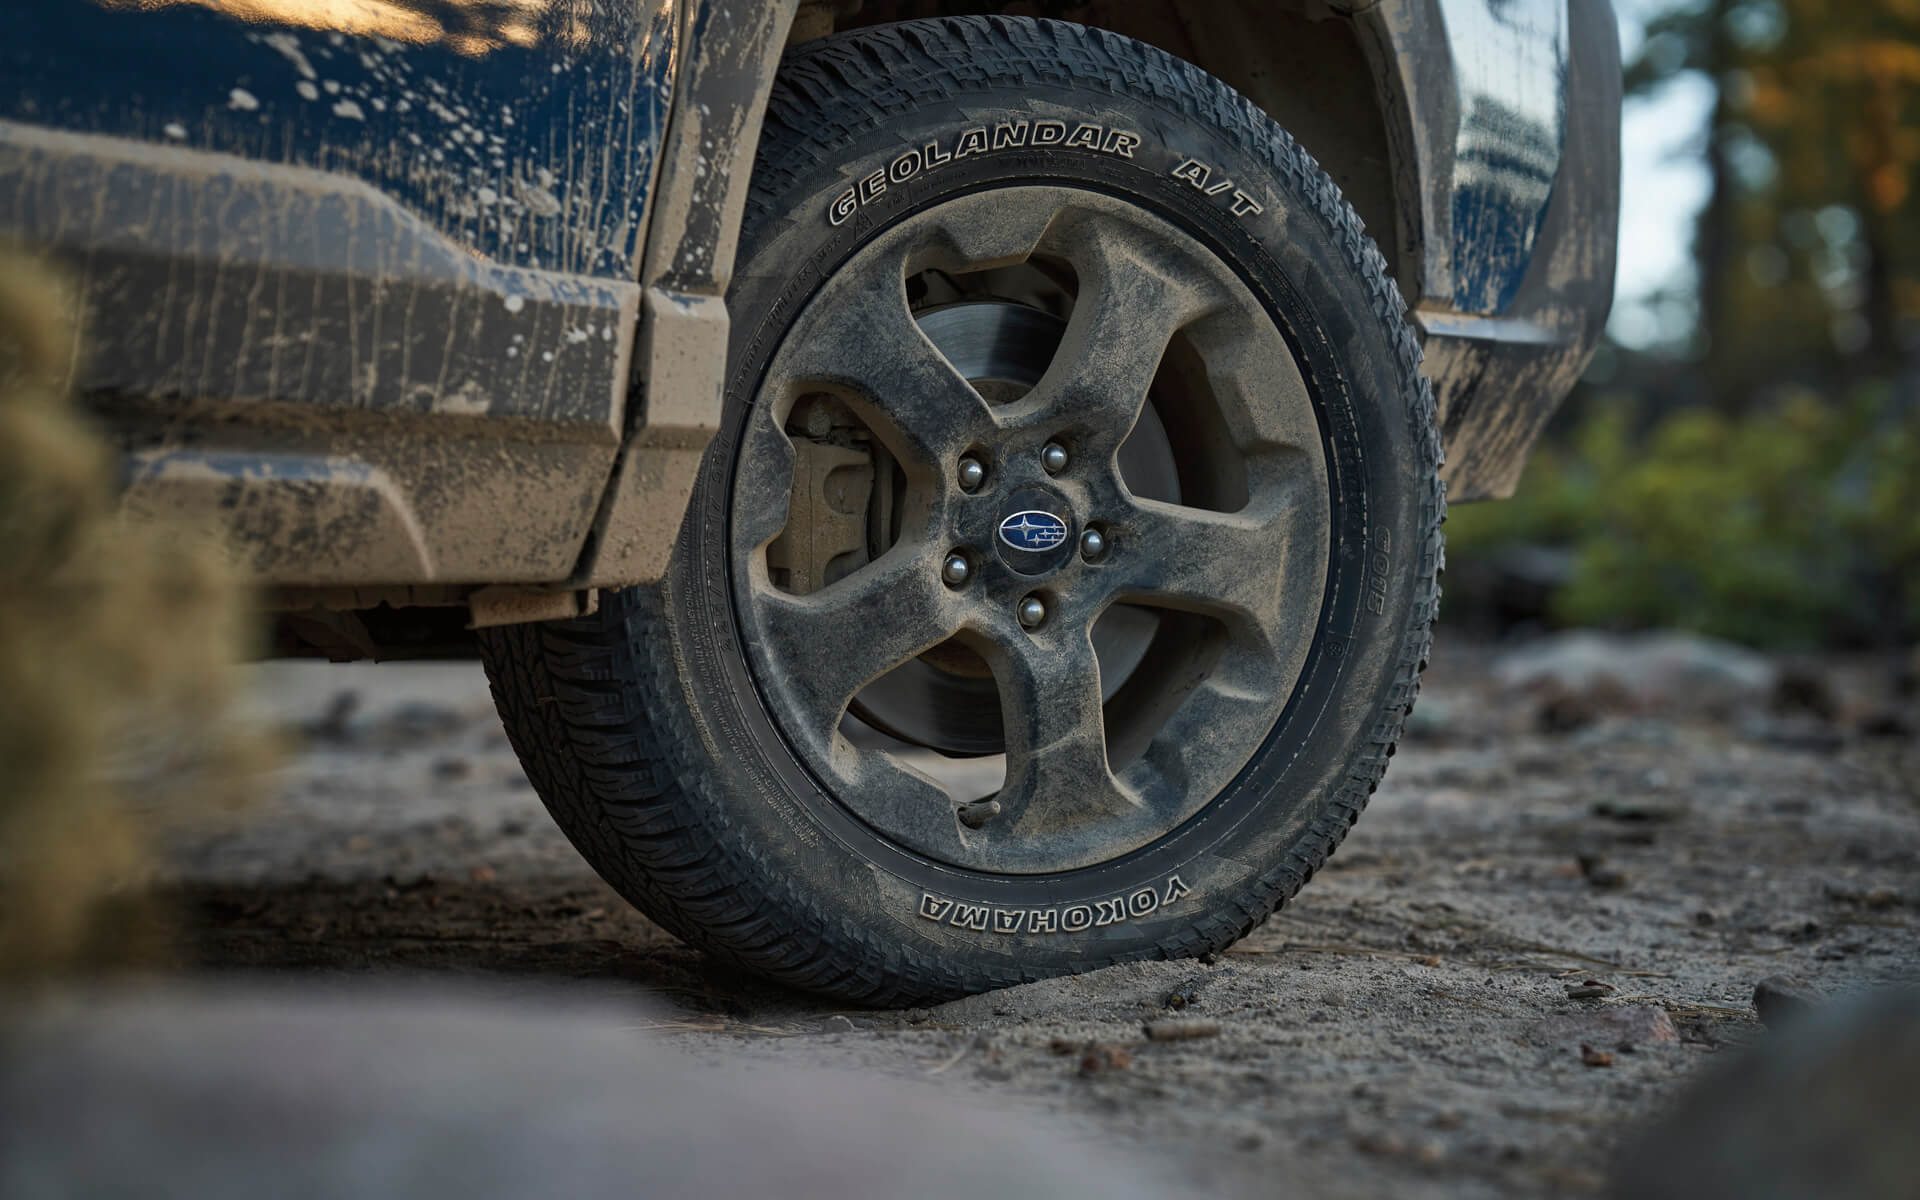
(1257,841)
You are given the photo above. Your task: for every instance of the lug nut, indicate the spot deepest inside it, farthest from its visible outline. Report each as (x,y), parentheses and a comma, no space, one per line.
(1093,544)
(1054,458)
(956,570)
(1032,612)
(972,473)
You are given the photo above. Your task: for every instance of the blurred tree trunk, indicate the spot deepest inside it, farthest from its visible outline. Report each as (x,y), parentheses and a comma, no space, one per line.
(1883,188)
(1717,235)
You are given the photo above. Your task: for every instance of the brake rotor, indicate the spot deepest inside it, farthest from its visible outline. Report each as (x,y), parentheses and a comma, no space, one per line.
(946,700)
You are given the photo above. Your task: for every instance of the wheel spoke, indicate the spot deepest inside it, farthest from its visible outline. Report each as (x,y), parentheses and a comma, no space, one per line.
(1057,773)
(1227,565)
(858,337)
(895,795)
(1132,299)
(1182,760)
(832,642)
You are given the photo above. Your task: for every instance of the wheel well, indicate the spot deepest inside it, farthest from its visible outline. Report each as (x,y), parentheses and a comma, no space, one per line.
(1301,63)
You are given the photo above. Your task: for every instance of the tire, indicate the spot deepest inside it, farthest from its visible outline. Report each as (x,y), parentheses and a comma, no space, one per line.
(707,777)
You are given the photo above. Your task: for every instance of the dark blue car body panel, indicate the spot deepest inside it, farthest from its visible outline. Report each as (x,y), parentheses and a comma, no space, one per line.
(355,271)
(531,142)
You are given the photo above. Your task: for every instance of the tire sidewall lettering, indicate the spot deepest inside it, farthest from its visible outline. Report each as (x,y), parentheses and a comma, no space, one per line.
(888,183)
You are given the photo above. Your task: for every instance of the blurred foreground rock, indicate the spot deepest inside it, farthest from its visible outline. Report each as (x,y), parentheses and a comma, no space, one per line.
(216,1093)
(1645,672)
(1829,1107)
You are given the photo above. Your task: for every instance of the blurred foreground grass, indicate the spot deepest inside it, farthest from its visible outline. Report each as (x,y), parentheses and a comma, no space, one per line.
(1795,525)
(118,653)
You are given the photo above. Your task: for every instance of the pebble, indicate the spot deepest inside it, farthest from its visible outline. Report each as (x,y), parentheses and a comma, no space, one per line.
(1103,1057)
(1635,812)
(1628,1024)
(335,725)
(1187,994)
(1592,989)
(1596,871)
(1779,999)
(1593,1057)
(1181,1031)
(1809,734)
(1887,723)
(1639,672)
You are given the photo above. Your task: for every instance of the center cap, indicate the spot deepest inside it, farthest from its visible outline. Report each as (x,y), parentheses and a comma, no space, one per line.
(1035,533)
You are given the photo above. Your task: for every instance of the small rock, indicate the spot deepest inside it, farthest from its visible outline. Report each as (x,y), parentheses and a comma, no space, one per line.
(1596,871)
(335,725)
(1624,672)
(839,1023)
(1882,897)
(1592,989)
(1636,812)
(1432,1150)
(452,768)
(1630,1024)
(1593,1057)
(1801,688)
(1808,734)
(1062,1045)
(1780,999)
(1103,1057)
(1390,1144)
(1181,1031)
(1184,996)
(418,721)
(1886,723)
(1562,711)
(481,873)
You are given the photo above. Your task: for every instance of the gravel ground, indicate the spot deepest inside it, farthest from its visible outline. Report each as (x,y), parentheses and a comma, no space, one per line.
(1531,940)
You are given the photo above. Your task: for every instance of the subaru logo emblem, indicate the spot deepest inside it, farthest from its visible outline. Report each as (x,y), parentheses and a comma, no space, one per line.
(1033,530)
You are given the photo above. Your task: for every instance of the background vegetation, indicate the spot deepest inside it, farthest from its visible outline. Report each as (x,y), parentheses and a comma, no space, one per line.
(1754,472)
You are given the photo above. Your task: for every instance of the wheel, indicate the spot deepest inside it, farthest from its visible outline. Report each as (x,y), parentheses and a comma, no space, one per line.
(1061,576)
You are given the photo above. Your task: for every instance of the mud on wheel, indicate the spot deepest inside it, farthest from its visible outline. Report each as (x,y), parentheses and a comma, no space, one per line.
(1060,579)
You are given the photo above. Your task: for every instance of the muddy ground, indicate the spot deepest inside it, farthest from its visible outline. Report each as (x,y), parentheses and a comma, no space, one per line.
(1404,1027)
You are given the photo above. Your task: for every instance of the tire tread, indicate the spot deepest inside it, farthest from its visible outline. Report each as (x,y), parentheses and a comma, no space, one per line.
(592,705)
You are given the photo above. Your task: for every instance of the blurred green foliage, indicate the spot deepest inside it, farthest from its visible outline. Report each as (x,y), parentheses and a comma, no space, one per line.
(1794,525)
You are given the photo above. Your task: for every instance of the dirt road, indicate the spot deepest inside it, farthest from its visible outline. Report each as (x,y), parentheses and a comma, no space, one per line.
(1413,1024)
